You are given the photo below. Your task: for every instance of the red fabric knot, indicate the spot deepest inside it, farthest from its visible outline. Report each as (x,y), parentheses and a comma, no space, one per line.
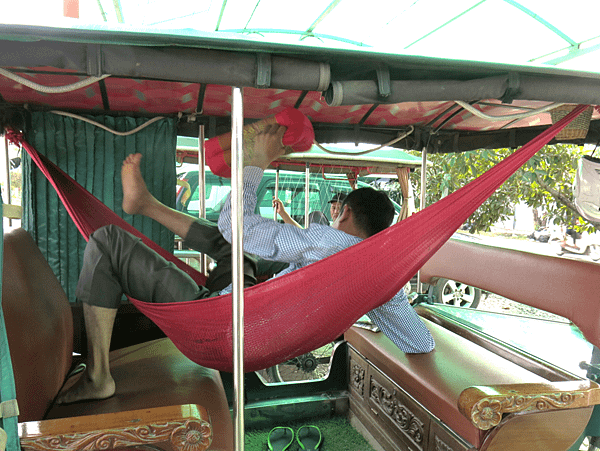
(14,137)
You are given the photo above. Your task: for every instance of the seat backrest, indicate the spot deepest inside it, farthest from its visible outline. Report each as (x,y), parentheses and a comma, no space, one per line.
(39,325)
(565,287)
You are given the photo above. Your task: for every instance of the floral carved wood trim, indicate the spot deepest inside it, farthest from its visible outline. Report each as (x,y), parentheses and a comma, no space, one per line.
(357,377)
(485,405)
(488,412)
(396,411)
(440,445)
(188,435)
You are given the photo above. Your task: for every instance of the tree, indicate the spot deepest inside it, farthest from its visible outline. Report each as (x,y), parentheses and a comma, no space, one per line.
(548,184)
(544,183)
(15,188)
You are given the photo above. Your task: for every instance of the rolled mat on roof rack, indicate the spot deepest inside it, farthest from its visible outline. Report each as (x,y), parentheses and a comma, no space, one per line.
(525,87)
(193,65)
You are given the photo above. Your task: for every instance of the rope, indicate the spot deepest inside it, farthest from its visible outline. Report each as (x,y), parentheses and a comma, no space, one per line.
(508,117)
(104,127)
(364,152)
(52,89)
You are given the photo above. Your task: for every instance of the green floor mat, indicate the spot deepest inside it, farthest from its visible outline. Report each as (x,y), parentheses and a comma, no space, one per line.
(338,435)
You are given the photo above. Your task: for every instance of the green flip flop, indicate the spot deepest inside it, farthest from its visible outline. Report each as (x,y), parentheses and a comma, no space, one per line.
(280,438)
(309,438)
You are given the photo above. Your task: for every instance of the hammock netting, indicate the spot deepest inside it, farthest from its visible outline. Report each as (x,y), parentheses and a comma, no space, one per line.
(294,314)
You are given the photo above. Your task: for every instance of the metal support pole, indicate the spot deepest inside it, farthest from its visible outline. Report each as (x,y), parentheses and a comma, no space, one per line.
(423,177)
(202,190)
(7,161)
(237,160)
(423,197)
(276,192)
(306,194)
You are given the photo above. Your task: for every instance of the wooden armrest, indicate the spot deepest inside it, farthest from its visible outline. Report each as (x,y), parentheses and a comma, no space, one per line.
(485,405)
(184,427)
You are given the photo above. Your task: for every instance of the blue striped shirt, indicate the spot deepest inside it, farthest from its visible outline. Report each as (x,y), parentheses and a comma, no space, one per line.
(274,241)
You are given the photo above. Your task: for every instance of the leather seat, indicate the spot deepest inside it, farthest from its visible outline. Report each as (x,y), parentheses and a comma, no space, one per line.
(436,379)
(38,322)
(156,374)
(39,326)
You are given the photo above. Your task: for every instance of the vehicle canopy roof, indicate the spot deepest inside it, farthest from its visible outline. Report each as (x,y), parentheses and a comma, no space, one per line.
(368,74)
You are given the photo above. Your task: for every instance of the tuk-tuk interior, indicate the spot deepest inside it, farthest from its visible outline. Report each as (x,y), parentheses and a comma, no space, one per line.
(487,386)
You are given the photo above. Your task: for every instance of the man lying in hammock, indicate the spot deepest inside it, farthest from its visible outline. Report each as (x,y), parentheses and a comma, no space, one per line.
(116,262)
(363,213)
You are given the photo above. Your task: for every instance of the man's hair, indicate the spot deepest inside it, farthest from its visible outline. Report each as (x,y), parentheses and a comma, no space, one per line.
(372,210)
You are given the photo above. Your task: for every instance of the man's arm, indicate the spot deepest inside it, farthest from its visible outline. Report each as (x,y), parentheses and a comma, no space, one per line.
(272,240)
(398,320)
(284,215)
(265,237)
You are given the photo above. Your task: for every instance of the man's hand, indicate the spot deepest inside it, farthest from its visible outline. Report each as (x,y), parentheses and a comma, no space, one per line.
(278,206)
(285,216)
(267,146)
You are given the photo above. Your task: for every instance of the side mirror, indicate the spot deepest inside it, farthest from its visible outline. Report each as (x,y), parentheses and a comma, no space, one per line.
(15,162)
(586,189)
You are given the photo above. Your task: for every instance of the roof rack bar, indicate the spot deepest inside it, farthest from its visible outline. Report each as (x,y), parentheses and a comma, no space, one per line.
(301,98)
(368,113)
(451,116)
(200,102)
(104,95)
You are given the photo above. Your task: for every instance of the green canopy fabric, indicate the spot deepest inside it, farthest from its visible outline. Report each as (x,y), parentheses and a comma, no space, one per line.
(93,157)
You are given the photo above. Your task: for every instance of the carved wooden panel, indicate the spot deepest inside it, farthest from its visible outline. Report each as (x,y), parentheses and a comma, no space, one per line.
(405,418)
(358,372)
(442,440)
(390,415)
(188,435)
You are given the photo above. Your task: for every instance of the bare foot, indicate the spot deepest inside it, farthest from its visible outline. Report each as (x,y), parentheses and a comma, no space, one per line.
(86,389)
(267,147)
(136,196)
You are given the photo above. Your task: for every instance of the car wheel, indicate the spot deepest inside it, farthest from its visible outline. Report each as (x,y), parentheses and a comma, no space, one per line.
(312,366)
(454,293)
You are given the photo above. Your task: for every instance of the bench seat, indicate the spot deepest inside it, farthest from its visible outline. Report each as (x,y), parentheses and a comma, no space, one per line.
(157,374)
(416,399)
(153,379)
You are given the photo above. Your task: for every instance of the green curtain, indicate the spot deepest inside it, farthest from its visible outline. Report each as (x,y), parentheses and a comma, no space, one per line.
(93,157)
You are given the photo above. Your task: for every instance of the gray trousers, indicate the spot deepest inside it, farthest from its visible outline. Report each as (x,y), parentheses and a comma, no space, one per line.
(116,262)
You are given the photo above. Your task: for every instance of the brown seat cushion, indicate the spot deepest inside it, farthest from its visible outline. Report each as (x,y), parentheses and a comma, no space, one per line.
(436,379)
(39,325)
(156,374)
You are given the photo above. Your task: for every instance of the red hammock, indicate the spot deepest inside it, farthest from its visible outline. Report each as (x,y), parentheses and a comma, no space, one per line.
(310,307)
